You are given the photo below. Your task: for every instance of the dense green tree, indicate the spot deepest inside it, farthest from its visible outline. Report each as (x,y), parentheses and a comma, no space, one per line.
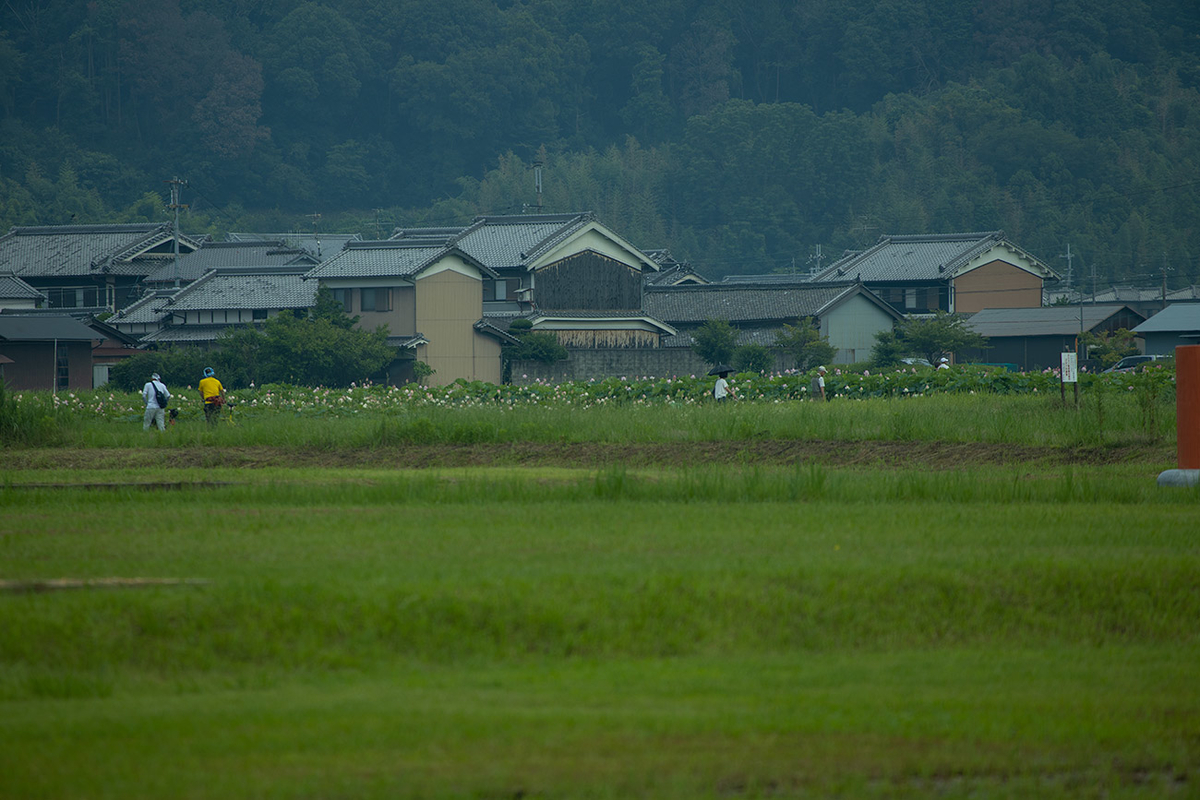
(715,341)
(753,358)
(1109,347)
(805,345)
(934,337)
(762,129)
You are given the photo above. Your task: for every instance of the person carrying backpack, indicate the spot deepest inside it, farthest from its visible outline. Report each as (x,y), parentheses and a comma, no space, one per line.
(156,396)
(213,395)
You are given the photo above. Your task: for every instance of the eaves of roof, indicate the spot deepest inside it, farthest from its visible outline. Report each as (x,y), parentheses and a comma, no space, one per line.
(684,305)
(44,328)
(1043,321)
(923,258)
(244,289)
(1177,317)
(390,258)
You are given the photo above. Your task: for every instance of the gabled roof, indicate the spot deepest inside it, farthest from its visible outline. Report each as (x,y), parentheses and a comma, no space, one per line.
(221,255)
(929,258)
(84,250)
(516,241)
(43,328)
(13,288)
(318,245)
(671,271)
(1045,321)
(389,258)
(250,288)
(1175,318)
(694,305)
(520,241)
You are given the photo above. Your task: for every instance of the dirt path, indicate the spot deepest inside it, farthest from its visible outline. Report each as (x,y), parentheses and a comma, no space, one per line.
(931,455)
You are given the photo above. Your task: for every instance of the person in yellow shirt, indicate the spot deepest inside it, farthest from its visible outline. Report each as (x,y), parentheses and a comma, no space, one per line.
(213,394)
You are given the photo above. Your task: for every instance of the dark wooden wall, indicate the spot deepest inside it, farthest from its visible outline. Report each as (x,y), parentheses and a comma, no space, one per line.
(588,281)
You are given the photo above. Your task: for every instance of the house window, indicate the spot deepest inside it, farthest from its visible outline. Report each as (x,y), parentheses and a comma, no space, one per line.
(75,297)
(501,290)
(63,369)
(376,299)
(343,296)
(910,299)
(259,313)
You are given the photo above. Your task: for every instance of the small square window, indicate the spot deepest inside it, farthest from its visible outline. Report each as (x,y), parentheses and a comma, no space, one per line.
(259,313)
(343,296)
(376,299)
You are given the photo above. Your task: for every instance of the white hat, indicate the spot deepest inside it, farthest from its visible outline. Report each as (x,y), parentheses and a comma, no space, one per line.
(155,377)
(821,369)
(943,360)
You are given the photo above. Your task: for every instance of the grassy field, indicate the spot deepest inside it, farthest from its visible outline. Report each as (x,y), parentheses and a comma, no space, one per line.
(654,627)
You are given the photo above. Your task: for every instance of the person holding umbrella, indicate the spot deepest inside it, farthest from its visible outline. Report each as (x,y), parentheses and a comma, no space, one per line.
(722,389)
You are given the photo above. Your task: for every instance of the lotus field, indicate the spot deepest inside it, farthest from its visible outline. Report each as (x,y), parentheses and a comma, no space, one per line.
(954,584)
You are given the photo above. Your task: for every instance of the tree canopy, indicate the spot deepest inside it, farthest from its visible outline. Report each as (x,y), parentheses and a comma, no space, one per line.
(741,136)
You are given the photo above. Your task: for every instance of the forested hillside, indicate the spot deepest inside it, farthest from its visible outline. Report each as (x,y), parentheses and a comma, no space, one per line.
(741,135)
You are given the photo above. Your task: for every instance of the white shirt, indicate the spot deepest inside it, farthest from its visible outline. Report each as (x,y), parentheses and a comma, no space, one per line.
(148,393)
(721,389)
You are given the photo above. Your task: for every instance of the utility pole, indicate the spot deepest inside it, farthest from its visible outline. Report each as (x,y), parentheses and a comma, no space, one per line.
(1165,270)
(815,259)
(1070,283)
(537,183)
(175,206)
(315,217)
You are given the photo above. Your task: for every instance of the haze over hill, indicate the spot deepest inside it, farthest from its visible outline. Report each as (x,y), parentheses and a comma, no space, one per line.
(741,136)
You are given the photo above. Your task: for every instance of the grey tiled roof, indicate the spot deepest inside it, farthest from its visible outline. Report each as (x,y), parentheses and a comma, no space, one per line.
(43,328)
(438,235)
(516,241)
(77,250)
(13,288)
(187,333)
(320,246)
(1175,317)
(218,255)
(923,258)
(673,275)
(146,311)
(766,337)
(383,259)
(245,289)
(1044,321)
(769,277)
(740,302)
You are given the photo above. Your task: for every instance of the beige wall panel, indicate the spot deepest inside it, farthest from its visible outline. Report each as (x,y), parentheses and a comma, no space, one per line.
(996,285)
(448,305)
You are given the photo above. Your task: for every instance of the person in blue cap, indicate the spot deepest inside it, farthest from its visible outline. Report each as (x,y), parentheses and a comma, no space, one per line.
(213,394)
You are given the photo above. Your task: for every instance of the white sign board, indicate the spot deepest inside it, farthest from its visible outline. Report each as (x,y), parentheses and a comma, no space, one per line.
(1070,368)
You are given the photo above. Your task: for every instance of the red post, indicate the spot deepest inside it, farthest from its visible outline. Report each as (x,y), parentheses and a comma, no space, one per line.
(1187,405)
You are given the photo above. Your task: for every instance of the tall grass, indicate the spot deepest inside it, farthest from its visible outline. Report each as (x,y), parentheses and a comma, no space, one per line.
(994,419)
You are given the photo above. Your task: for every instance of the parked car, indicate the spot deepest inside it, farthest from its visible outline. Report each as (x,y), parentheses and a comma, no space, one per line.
(1133,363)
(916,362)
